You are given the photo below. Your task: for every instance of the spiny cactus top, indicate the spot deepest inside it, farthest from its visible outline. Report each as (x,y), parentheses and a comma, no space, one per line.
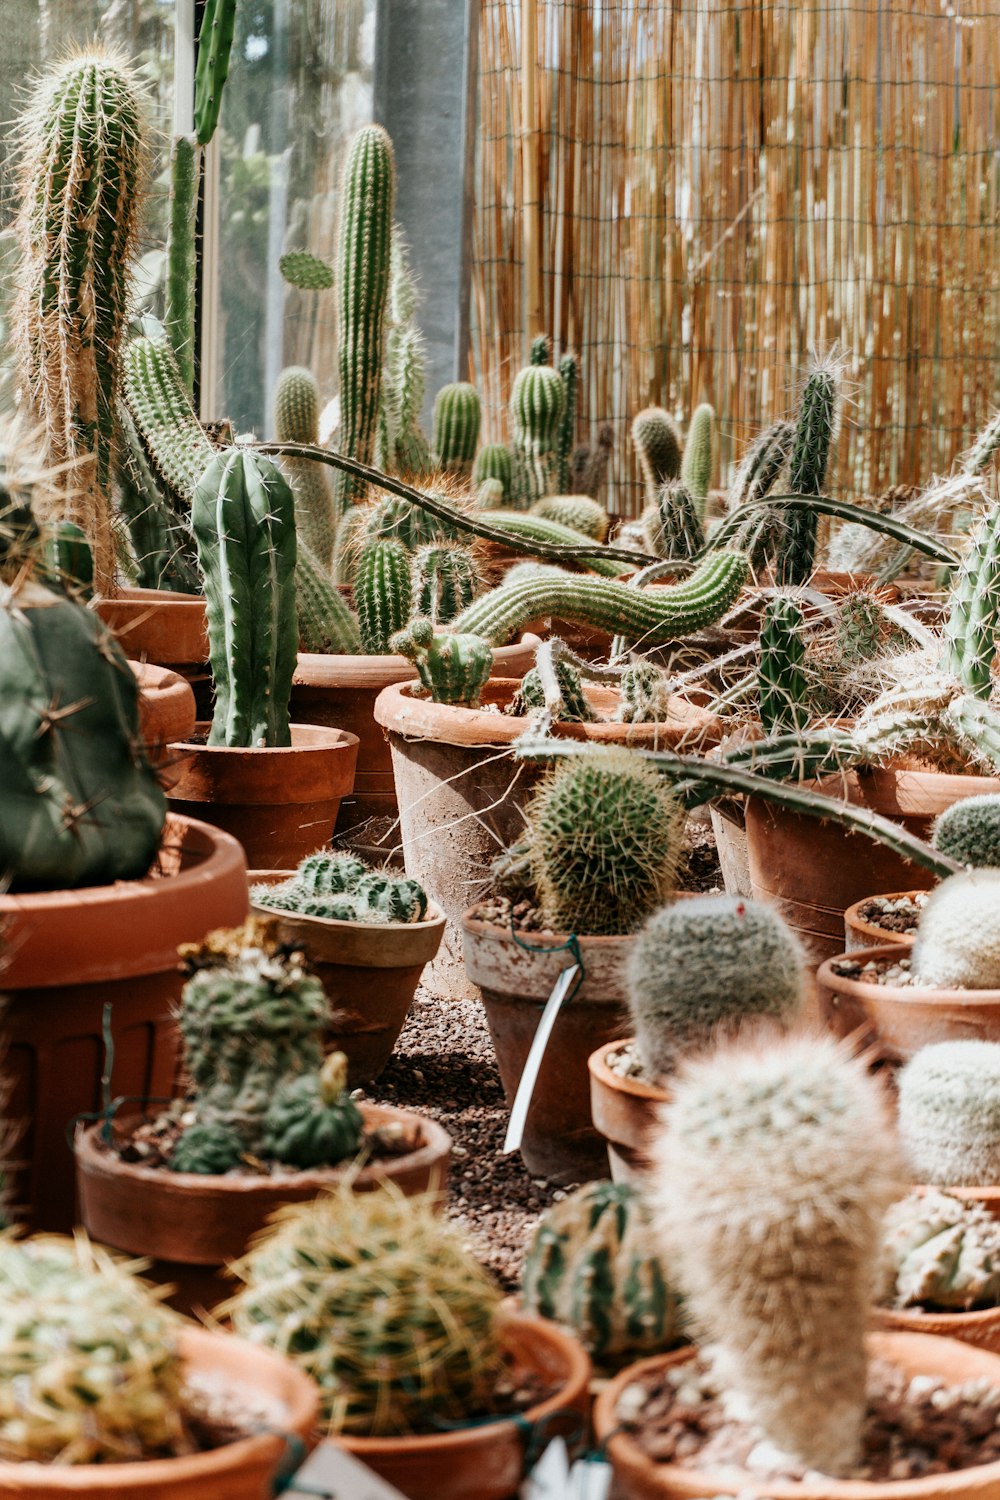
(949,1113)
(342,888)
(958,936)
(941,1252)
(969,831)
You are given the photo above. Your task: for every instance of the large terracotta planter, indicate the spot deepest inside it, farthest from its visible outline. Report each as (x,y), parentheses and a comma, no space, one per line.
(244,1470)
(639,1477)
(626,1112)
(559,1141)
(369,970)
(192,1225)
(68,954)
(902,1018)
(340,692)
(166,714)
(486,1461)
(280,803)
(860,933)
(165,629)
(461,793)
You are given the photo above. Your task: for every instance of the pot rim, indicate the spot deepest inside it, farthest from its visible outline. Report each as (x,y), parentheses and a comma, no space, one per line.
(609,1079)
(485,931)
(962,1320)
(867,989)
(333,669)
(435,918)
(862,925)
(336,740)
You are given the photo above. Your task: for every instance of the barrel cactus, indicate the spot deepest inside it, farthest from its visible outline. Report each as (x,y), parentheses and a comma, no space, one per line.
(311,1121)
(342,888)
(958,937)
(949,1113)
(941,1252)
(453,668)
(382,593)
(573,706)
(578,512)
(657,443)
(969,831)
(457,415)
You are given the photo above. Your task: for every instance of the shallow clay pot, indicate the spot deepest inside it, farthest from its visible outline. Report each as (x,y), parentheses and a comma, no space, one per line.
(187,1219)
(461,792)
(244,1470)
(69,953)
(626,1112)
(166,713)
(899,1018)
(281,803)
(859,933)
(981,1328)
(164,629)
(486,1461)
(340,692)
(559,1141)
(638,1477)
(369,970)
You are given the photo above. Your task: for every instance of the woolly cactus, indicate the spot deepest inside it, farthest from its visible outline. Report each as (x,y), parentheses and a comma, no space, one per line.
(958,938)
(382,593)
(780,675)
(657,443)
(296,420)
(670,526)
(949,1113)
(699,456)
(215,42)
(403,447)
(593,1266)
(80,201)
(700,967)
(457,415)
(569,373)
(537,401)
(810,453)
(941,1252)
(376,1298)
(969,831)
(605,837)
(444,582)
(579,512)
(771,1180)
(306,272)
(453,668)
(493,461)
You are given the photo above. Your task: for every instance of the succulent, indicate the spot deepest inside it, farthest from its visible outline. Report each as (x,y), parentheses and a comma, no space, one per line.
(444,581)
(958,937)
(311,1121)
(181,269)
(215,42)
(579,512)
(969,831)
(700,968)
(593,1265)
(573,705)
(643,694)
(771,1178)
(326,623)
(306,272)
(165,420)
(329,874)
(537,401)
(453,668)
(657,443)
(296,420)
(402,522)
(403,448)
(949,1113)
(569,373)
(457,415)
(538,528)
(808,459)
(699,455)
(493,461)
(781,673)
(69,560)
(342,888)
(974,609)
(671,527)
(376,1298)
(758,473)
(208,1148)
(382,593)
(941,1252)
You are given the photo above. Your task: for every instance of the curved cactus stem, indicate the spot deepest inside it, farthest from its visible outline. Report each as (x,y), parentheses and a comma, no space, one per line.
(977,725)
(215,42)
(730,529)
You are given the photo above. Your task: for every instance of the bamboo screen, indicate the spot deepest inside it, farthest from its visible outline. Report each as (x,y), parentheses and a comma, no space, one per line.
(723,188)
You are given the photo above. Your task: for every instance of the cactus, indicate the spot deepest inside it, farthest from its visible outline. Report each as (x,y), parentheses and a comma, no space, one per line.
(382,593)
(405,523)
(949,1113)
(305,272)
(453,668)
(329,874)
(770,1183)
(756,477)
(160,536)
(605,838)
(537,401)
(974,609)
(208,1149)
(864,632)
(296,420)
(958,937)
(457,415)
(493,461)
(569,373)
(377,1299)
(985,446)
(540,352)
(699,456)
(941,1252)
(243,518)
(81,173)
(534,527)
(643,695)
(593,1266)
(342,887)
(181,271)
(161,409)
(215,42)
(810,453)
(670,527)
(312,1122)
(325,623)
(699,968)
(657,443)
(650,616)
(578,512)
(489,494)
(572,707)
(69,560)
(969,831)
(364,246)
(402,445)
(780,675)
(444,582)
(588,465)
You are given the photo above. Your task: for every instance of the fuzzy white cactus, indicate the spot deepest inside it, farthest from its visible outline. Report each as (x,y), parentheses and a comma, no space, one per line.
(949,1113)
(958,940)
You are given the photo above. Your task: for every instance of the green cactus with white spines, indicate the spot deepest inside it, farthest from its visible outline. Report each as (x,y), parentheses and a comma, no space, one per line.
(949,1113)
(657,442)
(215,44)
(700,968)
(296,420)
(408,524)
(403,448)
(326,624)
(537,528)
(941,1252)
(382,593)
(163,415)
(699,455)
(537,401)
(573,707)
(306,272)
(593,1266)
(181,269)
(781,672)
(579,512)
(243,518)
(81,174)
(493,461)
(807,465)
(569,373)
(969,831)
(343,889)
(670,527)
(643,695)
(330,873)
(759,472)
(974,610)
(445,580)
(958,936)
(457,418)
(454,668)
(771,1179)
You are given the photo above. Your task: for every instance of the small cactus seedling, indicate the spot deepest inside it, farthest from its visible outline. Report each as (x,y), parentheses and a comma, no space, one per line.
(453,668)
(958,937)
(949,1113)
(969,831)
(941,1252)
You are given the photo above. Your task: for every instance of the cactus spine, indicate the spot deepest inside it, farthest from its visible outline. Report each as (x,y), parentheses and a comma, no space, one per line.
(178,318)
(453,668)
(971,629)
(215,43)
(457,415)
(699,456)
(382,593)
(780,675)
(296,420)
(969,831)
(657,443)
(444,582)
(569,373)
(537,401)
(808,461)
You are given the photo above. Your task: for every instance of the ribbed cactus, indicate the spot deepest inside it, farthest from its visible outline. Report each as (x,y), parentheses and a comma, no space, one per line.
(181,271)
(958,937)
(408,524)
(772,1177)
(493,461)
(974,610)
(312,1122)
(941,1252)
(700,968)
(305,272)
(540,352)
(949,1113)
(326,624)
(578,512)
(969,831)
(296,420)
(403,447)
(81,171)
(569,372)
(537,401)
(457,416)
(364,245)
(699,455)
(572,708)
(643,694)
(670,526)
(445,581)
(781,675)
(69,561)
(657,442)
(161,409)
(760,470)
(453,668)
(243,517)
(593,1266)
(215,42)
(588,466)
(382,593)
(489,494)
(542,529)
(807,465)
(651,616)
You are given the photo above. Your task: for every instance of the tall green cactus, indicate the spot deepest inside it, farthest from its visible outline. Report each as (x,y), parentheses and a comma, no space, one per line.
(178,318)
(402,444)
(699,454)
(569,373)
(493,461)
(657,443)
(382,593)
(80,201)
(781,676)
(457,415)
(808,461)
(243,516)
(671,528)
(296,420)
(971,628)
(537,401)
(326,623)
(215,43)
(161,409)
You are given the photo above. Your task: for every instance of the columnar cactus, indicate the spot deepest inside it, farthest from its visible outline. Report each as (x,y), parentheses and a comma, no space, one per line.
(657,443)
(493,461)
(810,454)
(444,581)
(403,447)
(569,372)
(163,415)
(958,937)
(969,831)
(941,1252)
(949,1113)
(771,1181)
(578,512)
(453,668)
(971,627)
(382,593)
(670,526)
(178,317)
(326,624)
(700,968)
(540,528)
(296,420)
(780,674)
(537,401)
(699,455)
(215,43)
(757,475)
(457,415)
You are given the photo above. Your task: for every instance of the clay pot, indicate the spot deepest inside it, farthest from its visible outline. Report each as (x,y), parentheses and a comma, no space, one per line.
(340,692)
(981,1328)
(729,827)
(486,1461)
(70,953)
(280,803)
(626,1112)
(164,629)
(187,1219)
(859,933)
(560,1141)
(244,1470)
(901,1019)
(369,970)
(461,793)
(639,1477)
(166,713)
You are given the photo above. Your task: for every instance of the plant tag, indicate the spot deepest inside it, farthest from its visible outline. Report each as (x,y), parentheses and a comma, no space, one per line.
(331,1474)
(526,1087)
(590,1479)
(555,1478)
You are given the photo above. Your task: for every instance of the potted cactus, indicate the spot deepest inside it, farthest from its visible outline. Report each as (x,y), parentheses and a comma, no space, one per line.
(942,1272)
(949,1118)
(266,1121)
(416,1357)
(367,936)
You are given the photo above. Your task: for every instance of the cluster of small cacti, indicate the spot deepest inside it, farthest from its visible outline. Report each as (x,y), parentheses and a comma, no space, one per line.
(454,668)
(342,888)
(949,1113)
(941,1253)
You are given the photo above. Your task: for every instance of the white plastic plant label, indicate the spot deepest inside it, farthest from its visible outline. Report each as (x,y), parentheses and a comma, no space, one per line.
(539,1042)
(331,1474)
(555,1478)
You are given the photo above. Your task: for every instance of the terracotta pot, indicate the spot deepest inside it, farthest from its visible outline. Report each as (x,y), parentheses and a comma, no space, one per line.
(859,933)
(626,1112)
(487,1461)
(639,1477)
(729,827)
(813,871)
(340,692)
(182,1219)
(560,1141)
(166,713)
(244,1470)
(165,629)
(67,955)
(901,1019)
(981,1328)
(370,971)
(280,803)
(461,793)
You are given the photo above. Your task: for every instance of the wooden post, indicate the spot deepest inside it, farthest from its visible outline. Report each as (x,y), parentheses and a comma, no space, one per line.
(532,208)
